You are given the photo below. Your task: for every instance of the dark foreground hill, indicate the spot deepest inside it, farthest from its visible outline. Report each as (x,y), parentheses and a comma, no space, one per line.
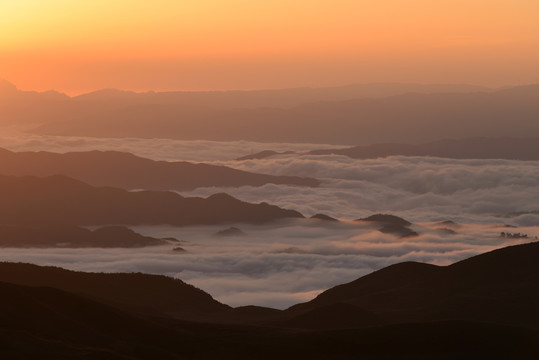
(61,200)
(409,310)
(500,287)
(45,323)
(70,236)
(127,171)
(144,293)
(469,148)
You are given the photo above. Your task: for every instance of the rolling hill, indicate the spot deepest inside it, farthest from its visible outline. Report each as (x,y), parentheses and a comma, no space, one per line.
(61,200)
(127,171)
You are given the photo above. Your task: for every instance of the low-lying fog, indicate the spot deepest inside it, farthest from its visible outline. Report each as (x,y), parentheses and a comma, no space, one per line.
(282,264)
(417,188)
(278,265)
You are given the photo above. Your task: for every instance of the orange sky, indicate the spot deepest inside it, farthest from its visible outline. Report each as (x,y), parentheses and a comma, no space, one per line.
(77,46)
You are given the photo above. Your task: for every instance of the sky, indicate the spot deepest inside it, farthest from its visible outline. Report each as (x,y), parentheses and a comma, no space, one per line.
(79,46)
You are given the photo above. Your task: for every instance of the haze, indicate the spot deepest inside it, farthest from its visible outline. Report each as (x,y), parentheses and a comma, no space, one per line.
(77,47)
(269,179)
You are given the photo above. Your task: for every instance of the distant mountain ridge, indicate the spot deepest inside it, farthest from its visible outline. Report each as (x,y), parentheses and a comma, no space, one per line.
(468,148)
(125,170)
(227,99)
(349,115)
(66,236)
(412,117)
(58,199)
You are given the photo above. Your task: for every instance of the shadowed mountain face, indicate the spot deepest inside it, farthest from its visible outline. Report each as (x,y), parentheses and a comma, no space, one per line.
(61,200)
(66,236)
(501,287)
(137,292)
(470,148)
(459,311)
(411,117)
(124,170)
(49,323)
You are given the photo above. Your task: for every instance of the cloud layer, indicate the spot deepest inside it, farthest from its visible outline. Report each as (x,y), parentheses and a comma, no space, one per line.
(419,188)
(281,264)
(157,149)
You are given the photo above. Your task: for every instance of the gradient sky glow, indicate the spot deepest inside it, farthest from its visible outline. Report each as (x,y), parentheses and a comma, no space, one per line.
(77,46)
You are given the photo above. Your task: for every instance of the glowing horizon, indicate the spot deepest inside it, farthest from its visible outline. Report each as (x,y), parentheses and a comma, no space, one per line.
(77,47)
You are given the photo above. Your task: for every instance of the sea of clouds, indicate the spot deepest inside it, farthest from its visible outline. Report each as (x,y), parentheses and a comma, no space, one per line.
(282,264)
(418,188)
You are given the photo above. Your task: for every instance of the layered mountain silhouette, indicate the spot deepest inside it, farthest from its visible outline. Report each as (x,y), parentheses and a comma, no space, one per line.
(391,224)
(66,236)
(485,306)
(62,200)
(145,293)
(356,119)
(263,154)
(500,287)
(125,170)
(230,232)
(468,148)
(30,107)
(324,217)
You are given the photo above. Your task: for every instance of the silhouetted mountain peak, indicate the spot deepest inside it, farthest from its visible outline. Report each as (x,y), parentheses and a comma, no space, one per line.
(396,229)
(59,199)
(387,219)
(71,236)
(7,88)
(107,94)
(231,231)
(323,217)
(222,197)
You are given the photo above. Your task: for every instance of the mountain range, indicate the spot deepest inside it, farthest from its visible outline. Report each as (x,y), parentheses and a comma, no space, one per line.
(127,171)
(352,115)
(70,236)
(54,200)
(483,306)
(416,117)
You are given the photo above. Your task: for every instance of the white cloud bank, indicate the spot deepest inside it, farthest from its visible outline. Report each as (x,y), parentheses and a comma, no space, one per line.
(281,265)
(277,265)
(419,188)
(157,149)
